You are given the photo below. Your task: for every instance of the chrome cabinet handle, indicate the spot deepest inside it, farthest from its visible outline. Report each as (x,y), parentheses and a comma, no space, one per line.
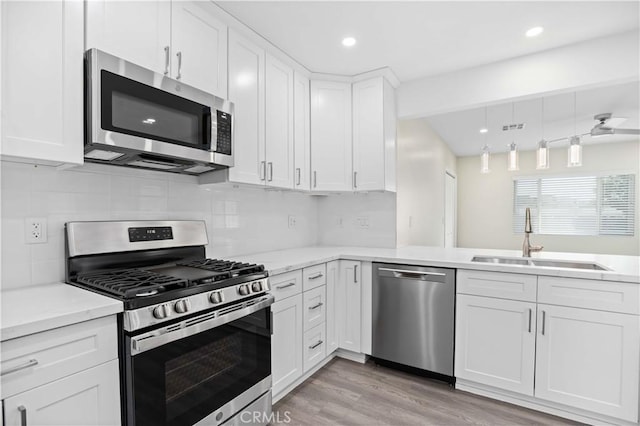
(298,176)
(263,170)
(316,344)
(544,318)
(316,276)
(27,364)
(315,181)
(167,58)
(311,308)
(270,165)
(355,179)
(179,55)
(355,273)
(280,287)
(530,313)
(23,415)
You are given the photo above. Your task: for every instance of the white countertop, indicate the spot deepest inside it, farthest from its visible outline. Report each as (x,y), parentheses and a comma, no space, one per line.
(622,268)
(34,309)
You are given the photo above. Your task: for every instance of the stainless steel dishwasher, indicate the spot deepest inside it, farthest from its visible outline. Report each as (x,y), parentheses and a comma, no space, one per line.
(413,316)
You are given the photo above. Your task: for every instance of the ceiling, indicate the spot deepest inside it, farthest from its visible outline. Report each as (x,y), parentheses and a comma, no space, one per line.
(422,38)
(461,129)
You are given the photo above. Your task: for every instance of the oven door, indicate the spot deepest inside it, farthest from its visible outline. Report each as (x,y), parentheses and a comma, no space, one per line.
(182,373)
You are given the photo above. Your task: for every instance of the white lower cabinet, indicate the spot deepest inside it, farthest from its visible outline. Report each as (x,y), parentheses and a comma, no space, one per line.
(91,397)
(588,359)
(333,277)
(286,342)
(495,342)
(315,304)
(315,347)
(348,305)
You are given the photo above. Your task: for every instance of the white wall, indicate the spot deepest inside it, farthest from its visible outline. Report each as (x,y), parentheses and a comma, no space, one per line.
(423,159)
(597,62)
(485,201)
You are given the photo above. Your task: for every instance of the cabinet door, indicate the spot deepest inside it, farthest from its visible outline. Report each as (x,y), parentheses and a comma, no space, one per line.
(199,46)
(246,91)
(286,342)
(368,135)
(91,397)
(331,136)
(588,359)
(496,342)
(42,80)
(138,31)
(302,132)
(279,123)
(333,277)
(349,308)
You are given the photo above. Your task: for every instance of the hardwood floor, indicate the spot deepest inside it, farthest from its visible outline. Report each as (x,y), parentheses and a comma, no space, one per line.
(349,393)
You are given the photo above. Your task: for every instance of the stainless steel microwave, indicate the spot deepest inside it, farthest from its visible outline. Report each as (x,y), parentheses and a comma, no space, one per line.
(136,117)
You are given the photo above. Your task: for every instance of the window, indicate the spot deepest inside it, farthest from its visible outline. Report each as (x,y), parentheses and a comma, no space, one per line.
(576,205)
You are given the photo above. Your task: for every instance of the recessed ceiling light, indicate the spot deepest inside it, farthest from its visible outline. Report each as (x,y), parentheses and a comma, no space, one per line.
(484,130)
(348,41)
(535,31)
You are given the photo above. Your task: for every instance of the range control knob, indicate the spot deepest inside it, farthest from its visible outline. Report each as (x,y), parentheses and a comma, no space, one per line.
(216,297)
(256,286)
(243,290)
(182,306)
(162,311)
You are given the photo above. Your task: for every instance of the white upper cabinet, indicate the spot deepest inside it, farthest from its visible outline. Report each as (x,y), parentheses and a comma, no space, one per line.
(374,135)
(199,46)
(246,91)
(279,124)
(301,133)
(331,165)
(181,39)
(42,74)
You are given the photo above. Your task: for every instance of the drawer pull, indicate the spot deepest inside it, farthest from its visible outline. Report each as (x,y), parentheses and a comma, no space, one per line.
(316,276)
(23,415)
(280,287)
(27,364)
(315,345)
(315,306)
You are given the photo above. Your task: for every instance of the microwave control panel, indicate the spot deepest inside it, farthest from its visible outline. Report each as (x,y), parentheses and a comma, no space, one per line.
(223,145)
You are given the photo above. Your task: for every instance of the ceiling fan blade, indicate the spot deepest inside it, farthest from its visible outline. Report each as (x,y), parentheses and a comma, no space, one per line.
(615,121)
(626,131)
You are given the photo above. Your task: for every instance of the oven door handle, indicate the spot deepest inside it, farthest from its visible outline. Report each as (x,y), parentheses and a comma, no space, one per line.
(171,333)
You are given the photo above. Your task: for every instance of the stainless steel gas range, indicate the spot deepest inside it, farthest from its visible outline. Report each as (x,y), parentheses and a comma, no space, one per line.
(195,334)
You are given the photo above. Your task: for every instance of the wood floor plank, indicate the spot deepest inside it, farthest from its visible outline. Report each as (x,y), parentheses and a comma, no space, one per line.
(348,393)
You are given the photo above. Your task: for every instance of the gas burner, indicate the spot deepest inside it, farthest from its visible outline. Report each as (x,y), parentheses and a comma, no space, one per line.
(131,282)
(227,269)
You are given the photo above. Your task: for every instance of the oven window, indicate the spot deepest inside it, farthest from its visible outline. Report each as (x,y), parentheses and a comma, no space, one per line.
(182,382)
(137,109)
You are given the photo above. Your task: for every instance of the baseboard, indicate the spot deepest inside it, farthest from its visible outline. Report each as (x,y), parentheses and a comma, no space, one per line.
(570,413)
(351,356)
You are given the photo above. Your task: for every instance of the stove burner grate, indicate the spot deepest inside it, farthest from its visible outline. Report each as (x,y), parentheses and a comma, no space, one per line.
(131,282)
(226,268)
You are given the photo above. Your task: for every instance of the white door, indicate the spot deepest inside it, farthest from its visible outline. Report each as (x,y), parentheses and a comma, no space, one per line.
(301,132)
(349,308)
(450,189)
(588,359)
(331,157)
(286,342)
(496,342)
(368,135)
(91,397)
(333,278)
(246,91)
(137,31)
(42,80)
(279,123)
(199,46)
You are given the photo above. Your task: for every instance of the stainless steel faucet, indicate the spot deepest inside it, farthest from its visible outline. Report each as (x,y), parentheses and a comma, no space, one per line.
(527,248)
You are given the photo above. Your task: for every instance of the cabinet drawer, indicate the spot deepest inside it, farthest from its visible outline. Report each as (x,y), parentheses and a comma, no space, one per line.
(314,307)
(314,346)
(285,285)
(497,284)
(591,294)
(314,276)
(41,358)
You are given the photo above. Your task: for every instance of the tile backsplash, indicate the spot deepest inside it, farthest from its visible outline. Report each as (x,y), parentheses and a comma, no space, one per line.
(239,220)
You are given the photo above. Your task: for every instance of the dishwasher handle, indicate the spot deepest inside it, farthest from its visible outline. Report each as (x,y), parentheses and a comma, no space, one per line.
(407,273)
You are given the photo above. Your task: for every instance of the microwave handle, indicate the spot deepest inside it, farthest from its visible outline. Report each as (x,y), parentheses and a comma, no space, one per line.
(211,132)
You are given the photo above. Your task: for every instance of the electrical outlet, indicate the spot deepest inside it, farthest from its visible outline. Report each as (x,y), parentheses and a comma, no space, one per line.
(362,221)
(35,230)
(292,221)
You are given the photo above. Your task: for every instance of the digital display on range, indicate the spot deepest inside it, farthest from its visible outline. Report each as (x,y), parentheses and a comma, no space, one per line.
(150,234)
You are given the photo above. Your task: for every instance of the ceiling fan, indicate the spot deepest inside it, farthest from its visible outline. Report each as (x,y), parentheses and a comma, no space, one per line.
(607,126)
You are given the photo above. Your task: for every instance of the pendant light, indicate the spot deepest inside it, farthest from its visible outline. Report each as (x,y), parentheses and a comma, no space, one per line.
(484,158)
(512,155)
(542,153)
(574,153)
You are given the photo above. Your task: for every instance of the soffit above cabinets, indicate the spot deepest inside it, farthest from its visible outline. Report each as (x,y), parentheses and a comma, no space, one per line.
(417,39)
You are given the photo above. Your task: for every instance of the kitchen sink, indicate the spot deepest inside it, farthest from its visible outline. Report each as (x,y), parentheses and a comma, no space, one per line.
(540,262)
